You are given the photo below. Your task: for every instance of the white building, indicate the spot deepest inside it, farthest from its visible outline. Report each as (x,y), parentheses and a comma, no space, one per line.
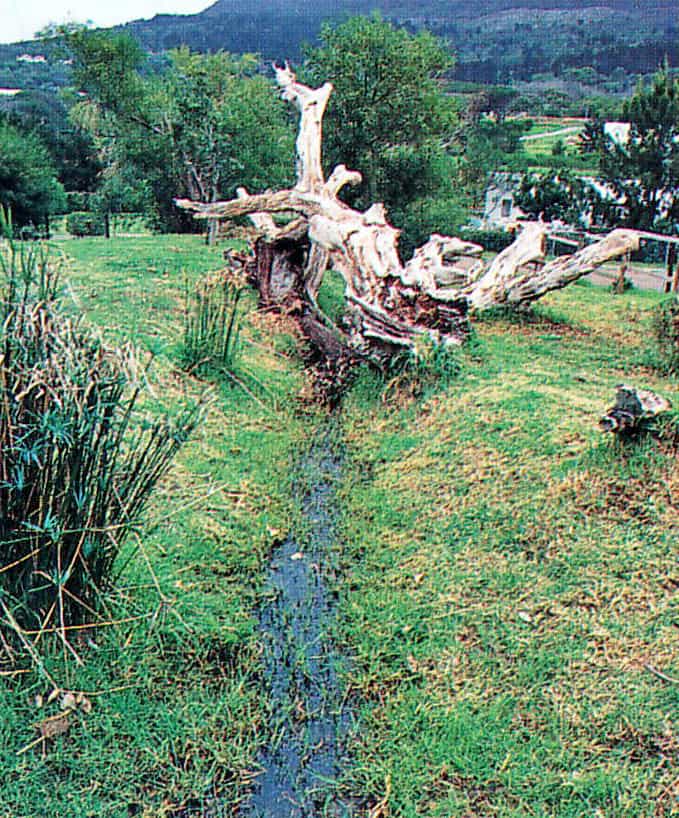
(31,58)
(500,208)
(618,132)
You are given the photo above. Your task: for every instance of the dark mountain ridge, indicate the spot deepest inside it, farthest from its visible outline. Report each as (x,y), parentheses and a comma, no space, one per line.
(494,40)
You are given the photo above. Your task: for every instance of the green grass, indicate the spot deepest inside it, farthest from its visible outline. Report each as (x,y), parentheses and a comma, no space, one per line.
(540,125)
(508,575)
(539,156)
(177,706)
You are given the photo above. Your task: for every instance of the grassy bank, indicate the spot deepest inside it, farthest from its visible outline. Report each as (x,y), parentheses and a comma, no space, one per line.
(176,699)
(506,591)
(511,578)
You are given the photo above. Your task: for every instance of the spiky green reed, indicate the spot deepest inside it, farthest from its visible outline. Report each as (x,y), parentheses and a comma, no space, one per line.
(79,457)
(663,353)
(31,269)
(212,322)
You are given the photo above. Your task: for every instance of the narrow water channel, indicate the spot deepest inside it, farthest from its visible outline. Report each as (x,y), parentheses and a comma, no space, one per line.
(309,719)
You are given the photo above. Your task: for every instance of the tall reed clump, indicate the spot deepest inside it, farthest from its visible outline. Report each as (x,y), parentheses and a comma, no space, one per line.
(664,352)
(212,322)
(79,457)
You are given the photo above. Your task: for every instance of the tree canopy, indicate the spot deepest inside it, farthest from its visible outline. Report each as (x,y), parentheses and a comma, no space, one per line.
(389,115)
(196,125)
(642,170)
(28,184)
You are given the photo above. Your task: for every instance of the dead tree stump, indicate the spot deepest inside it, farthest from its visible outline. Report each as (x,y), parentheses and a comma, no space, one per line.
(391,305)
(632,410)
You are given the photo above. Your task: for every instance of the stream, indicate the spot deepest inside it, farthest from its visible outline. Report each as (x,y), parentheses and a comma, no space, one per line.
(310,719)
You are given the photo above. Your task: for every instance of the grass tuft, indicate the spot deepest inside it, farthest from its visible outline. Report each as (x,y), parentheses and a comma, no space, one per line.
(79,460)
(212,322)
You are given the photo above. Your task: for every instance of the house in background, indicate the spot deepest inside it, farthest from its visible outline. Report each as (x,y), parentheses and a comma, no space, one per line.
(618,131)
(500,208)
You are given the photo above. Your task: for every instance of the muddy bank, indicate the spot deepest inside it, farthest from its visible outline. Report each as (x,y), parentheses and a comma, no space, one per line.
(309,716)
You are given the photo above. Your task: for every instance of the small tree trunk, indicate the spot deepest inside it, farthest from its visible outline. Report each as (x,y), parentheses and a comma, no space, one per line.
(212,230)
(622,276)
(670,261)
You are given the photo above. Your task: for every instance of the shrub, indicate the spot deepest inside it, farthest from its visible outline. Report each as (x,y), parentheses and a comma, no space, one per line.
(84,223)
(664,352)
(492,240)
(77,200)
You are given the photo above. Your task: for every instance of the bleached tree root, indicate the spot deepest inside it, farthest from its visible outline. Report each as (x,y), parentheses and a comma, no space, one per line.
(391,305)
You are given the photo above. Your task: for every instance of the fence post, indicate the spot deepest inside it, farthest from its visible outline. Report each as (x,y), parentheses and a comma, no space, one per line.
(671,281)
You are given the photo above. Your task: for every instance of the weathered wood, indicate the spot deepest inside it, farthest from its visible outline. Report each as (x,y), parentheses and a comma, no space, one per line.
(279,266)
(632,409)
(390,304)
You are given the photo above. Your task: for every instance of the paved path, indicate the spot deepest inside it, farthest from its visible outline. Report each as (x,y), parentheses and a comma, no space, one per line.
(546,134)
(643,278)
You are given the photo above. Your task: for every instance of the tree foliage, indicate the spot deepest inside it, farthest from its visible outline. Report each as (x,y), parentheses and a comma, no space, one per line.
(560,195)
(28,184)
(197,126)
(72,151)
(388,116)
(643,170)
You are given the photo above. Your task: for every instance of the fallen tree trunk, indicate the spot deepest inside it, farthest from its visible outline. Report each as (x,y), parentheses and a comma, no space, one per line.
(390,304)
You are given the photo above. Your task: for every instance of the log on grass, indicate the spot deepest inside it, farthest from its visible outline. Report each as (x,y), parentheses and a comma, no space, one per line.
(633,408)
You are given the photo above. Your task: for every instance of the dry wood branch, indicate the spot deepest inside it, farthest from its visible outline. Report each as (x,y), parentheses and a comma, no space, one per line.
(632,408)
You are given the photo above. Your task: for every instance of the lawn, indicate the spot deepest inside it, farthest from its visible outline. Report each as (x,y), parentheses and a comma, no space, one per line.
(507,593)
(511,578)
(176,701)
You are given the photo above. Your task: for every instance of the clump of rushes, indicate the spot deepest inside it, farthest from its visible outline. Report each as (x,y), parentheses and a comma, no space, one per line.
(79,458)
(31,269)
(212,322)
(664,353)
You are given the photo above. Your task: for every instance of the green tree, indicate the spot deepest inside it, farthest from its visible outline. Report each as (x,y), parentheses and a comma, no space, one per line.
(558,195)
(388,117)
(642,171)
(199,126)
(71,148)
(28,183)
(485,145)
(228,127)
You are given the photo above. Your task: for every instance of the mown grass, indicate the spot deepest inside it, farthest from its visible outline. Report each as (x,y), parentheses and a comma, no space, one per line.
(511,575)
(508,578)
(177,711)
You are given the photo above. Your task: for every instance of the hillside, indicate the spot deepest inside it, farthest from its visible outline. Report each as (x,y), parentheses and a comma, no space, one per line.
(494,40)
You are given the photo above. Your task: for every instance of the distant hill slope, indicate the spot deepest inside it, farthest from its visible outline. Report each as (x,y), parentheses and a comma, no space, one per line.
(494,40)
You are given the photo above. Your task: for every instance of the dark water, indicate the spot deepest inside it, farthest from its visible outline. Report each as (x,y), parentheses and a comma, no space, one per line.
(309,716)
